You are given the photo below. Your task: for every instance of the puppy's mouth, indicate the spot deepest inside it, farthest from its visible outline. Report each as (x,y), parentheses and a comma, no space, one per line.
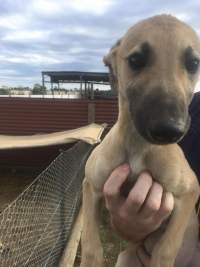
(160,118)
(164,132)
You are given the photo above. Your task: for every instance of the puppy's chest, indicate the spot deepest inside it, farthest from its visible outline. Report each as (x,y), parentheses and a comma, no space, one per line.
(137,165)
(135,156)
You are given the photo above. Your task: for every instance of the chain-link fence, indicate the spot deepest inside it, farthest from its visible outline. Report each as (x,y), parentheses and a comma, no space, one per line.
(35,227)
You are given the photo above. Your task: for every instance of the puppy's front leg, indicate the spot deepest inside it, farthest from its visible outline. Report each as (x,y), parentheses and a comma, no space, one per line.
(166,250)
(128,257)
(92,251)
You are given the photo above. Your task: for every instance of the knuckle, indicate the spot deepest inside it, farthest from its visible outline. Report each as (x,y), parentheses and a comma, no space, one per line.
(118,174)
(168,204)
(146,178)
(108,193)
(152,206)
(156,222)
(167,208)
(158,187)
(136,199)
(115,173)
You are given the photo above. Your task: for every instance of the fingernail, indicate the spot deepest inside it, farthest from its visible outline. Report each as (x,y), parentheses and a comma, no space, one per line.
(125,167)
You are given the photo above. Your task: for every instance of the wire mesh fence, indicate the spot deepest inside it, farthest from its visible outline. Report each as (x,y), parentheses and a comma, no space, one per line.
(35,227)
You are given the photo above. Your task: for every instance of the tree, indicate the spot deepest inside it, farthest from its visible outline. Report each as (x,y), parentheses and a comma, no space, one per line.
(4,91)
(38,89)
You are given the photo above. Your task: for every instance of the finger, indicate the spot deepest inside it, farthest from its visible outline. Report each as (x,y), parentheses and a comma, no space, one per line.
(138,193)
(167,205)
(153,201)
(143,257)
(112,186)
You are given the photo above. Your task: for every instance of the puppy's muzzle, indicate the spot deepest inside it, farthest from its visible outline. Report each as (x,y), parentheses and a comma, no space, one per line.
(162,119)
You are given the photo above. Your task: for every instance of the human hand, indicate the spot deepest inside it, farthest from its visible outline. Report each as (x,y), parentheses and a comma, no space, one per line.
(144,209)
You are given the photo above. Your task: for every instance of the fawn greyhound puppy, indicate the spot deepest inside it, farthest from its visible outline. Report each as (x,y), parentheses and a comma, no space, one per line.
(154,67)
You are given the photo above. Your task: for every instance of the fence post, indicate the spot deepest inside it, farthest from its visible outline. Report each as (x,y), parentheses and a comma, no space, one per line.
(69,254)
(91,112)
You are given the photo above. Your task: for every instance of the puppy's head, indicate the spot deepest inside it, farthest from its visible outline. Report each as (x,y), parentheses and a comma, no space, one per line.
(155,67)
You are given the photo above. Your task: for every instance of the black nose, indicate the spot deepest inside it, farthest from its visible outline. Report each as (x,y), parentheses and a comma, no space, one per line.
(167,132)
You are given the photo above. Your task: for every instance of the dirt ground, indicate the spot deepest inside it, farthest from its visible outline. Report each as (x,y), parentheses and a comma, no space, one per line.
(12,183)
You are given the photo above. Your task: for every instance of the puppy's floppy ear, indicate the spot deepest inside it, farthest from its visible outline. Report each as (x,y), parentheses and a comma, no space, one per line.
(110,61)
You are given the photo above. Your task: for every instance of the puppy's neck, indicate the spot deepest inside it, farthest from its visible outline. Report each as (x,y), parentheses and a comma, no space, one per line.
(126,128)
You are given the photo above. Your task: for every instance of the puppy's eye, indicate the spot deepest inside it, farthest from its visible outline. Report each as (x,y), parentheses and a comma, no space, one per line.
(137,61)
(192,64)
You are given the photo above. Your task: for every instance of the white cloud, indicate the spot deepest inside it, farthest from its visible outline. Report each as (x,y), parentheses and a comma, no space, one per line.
(84,50)
(25,35)
(198,31)
(13,22)
(48,7)
(97,7)
(8,72)
(183,16)
(73,34)
(78,29)
(52,7)
(38,59)
(19,81)
(32,59)
(91,31)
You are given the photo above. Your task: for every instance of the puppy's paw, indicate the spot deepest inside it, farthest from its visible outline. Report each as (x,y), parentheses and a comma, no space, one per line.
(161,261)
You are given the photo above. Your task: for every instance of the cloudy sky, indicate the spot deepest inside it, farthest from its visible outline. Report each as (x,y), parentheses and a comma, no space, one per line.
(37,35)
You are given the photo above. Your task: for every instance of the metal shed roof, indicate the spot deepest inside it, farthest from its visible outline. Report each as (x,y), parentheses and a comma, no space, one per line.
(76,76)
